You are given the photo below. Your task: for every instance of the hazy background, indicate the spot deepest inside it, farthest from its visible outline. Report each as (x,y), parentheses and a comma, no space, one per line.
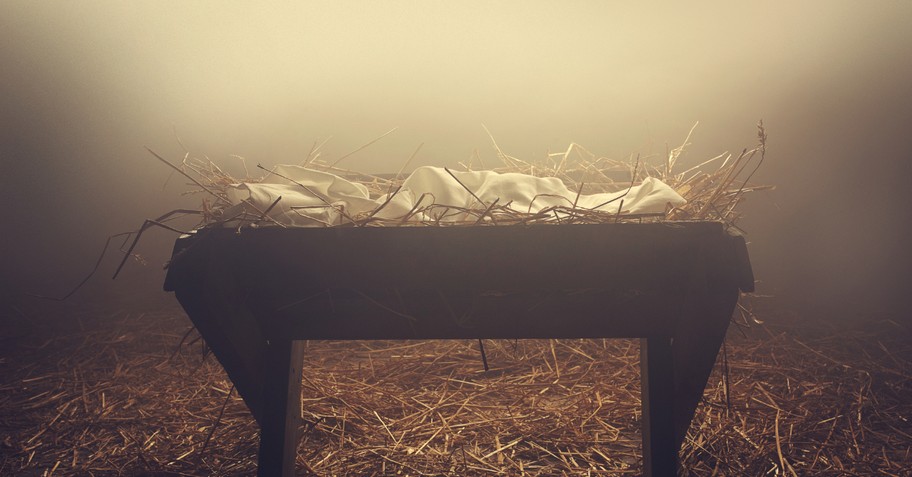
(85,85)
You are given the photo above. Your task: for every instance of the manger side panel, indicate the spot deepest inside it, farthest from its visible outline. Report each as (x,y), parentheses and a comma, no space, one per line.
(205,285)
(435,314)
(494,258)
(699,336)
(712,295)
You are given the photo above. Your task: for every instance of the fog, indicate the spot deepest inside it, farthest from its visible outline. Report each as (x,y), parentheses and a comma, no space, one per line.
(84,86)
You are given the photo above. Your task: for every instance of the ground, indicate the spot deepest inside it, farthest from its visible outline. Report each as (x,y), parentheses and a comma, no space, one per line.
(125,387)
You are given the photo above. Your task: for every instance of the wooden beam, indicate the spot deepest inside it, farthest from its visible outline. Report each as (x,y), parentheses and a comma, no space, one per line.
(452,258)
(281,409)
(660,453)
(435,314)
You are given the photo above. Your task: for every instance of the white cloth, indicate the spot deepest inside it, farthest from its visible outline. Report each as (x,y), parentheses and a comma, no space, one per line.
(314,198)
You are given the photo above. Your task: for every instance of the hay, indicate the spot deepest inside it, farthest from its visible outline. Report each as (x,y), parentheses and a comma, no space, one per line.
(711,194)
(127,392)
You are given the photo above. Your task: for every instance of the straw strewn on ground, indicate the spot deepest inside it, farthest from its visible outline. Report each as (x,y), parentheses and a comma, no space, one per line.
(113,393)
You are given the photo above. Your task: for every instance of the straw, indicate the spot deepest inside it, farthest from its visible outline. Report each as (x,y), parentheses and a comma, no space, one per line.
(106,390)
(711,194)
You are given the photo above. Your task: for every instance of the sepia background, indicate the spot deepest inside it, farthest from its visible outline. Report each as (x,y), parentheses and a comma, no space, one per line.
(85,86)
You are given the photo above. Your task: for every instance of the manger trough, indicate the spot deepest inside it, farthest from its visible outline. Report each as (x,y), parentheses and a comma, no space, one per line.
(253,296)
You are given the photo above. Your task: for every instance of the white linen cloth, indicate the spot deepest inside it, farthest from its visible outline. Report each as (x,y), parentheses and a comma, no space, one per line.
(314,198)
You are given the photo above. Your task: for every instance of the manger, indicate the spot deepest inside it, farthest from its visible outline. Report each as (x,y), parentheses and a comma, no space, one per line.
(254,295)
(304,254)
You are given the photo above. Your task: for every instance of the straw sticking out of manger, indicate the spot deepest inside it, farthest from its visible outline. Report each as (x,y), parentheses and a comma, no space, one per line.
(712,190)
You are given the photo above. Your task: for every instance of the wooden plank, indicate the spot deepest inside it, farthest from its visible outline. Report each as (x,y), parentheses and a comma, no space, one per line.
(423,314)
(492,258)
(281,409)
(209,293)
(240,357)
(699,336)
(660,452)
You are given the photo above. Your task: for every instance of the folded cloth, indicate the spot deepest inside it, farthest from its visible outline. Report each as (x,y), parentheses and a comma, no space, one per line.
(314,198)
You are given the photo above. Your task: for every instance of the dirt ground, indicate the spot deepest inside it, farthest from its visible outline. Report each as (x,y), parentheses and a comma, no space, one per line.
(125,387)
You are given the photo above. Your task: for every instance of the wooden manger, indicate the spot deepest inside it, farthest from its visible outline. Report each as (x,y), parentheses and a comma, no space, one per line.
(255,294)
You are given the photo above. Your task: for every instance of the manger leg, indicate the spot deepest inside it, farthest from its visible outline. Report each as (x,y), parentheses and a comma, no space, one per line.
(660,453)
(281,409)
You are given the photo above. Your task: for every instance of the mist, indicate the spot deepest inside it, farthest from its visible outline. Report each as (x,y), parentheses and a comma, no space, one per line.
(86,86)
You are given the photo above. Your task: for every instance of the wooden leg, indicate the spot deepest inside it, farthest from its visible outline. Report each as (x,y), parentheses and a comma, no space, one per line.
(281,410)
(660,454)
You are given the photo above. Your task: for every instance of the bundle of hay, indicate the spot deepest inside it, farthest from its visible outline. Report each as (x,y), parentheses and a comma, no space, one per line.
(575,186)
